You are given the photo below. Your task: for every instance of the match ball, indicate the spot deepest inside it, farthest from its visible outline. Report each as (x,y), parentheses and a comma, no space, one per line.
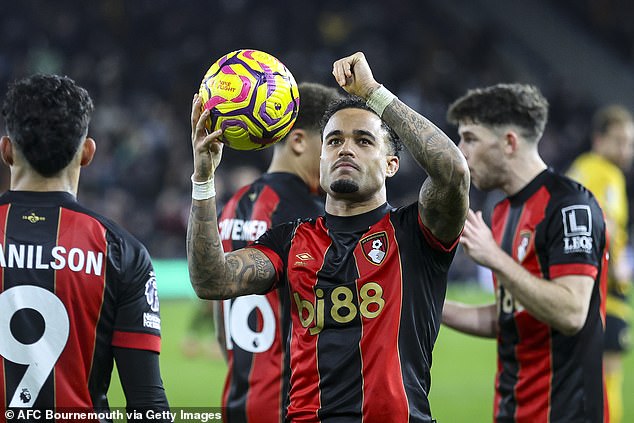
(252,97)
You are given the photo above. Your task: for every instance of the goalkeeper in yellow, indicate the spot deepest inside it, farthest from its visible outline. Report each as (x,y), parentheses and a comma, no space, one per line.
(602,171)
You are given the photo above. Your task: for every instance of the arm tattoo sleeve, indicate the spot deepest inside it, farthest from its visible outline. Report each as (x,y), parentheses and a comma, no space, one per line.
(214,275)
(444,196)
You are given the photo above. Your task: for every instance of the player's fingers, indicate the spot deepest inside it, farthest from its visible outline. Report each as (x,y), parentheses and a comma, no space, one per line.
(200,125)
(337,72)
(479,216)
(347,69)
(207,142)
(195,110)
(215,135)
(357,59)
(471,217)
(468,232)
(216,145)
(470,221)
(464,242)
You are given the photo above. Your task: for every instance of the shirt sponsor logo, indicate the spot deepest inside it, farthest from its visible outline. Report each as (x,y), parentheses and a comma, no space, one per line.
(21,256)
(152,321)
(151,293)
(375,247)
(341,304)
(241,230)
(577,222)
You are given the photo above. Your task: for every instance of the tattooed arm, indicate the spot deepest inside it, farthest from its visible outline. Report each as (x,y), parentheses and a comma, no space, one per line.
(443,201)
(213,274)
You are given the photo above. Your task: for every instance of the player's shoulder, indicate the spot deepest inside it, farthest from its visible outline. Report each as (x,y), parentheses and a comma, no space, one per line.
(406,213)
(123,247)
(568,197)
(564,188)
(114,229)
(304,222)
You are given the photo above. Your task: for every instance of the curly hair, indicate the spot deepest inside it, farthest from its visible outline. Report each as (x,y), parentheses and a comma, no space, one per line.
(353,102)
(521,105)
(47,117)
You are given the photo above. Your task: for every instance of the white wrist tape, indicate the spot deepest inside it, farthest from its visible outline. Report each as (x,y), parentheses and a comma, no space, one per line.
(380,99)
(203,190)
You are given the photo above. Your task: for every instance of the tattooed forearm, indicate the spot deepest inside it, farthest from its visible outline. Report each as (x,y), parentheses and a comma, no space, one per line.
(205,256)
(263,267)
(250,270)
(444,197)
(214,275)
(429,145)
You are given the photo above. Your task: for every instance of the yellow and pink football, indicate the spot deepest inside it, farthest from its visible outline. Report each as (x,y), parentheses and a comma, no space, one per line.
(252,97)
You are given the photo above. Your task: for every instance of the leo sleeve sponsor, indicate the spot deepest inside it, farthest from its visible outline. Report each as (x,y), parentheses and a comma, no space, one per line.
(577,228)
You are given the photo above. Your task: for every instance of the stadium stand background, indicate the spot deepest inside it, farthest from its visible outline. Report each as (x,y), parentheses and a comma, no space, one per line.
(142,61)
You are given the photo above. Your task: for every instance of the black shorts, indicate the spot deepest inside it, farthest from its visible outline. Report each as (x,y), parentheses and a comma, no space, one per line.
(617,334)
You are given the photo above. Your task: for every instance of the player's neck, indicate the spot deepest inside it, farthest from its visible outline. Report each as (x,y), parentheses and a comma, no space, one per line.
(351,205)
(28,180)
(522,175)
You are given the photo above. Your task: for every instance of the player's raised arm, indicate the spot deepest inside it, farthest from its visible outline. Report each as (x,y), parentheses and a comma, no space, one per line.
(213,274)
(444,196)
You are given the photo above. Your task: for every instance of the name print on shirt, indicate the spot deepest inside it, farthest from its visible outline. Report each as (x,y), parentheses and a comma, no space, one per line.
(28,256)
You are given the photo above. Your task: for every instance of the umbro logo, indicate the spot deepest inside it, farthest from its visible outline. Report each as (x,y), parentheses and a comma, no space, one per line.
(303,257)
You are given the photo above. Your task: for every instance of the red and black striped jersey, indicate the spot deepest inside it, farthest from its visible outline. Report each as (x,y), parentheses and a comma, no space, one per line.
(553,227)
(256,326)
(367,293)
(73,285)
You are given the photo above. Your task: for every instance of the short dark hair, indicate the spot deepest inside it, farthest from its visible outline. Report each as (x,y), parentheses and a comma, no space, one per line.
(47,117)
(610,115)
(516,104)
(353,102)
(314,98)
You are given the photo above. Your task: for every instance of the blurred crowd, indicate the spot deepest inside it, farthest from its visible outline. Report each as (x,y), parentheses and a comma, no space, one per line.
(143,60)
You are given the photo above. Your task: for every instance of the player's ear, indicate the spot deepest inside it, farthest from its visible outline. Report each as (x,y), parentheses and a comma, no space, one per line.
(511,142)
(6,149)
(88,151)
(297,140)
(392,166)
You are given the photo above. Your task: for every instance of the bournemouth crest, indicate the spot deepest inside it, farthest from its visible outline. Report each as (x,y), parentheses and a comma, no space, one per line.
(524,244)
(375,247)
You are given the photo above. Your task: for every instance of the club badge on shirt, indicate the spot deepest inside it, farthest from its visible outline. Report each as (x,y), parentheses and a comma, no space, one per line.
(523,246)
(375,247)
